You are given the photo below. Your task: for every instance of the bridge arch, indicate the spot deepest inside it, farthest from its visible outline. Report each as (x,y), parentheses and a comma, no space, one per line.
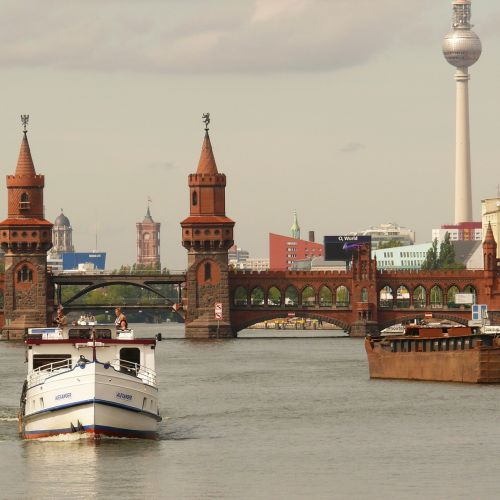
(325,296)
(402,297)
(419,297)
(274,296)
(436,297)
(450,295)
(240,297)
(291,296)
(257,296)
(308,296)
(275,314)
(342,296)
(471,289)
(95,286)
(386,297)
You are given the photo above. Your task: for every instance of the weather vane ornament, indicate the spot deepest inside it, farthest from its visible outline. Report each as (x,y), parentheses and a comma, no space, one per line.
(206,120)
(24,120)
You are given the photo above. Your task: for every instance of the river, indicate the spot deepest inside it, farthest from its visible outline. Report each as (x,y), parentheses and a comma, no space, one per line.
(269,418)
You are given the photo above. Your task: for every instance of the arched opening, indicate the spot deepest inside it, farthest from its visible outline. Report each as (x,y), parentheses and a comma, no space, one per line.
(364,295)
(402,297)
(342,298)
(436,297)
(194,198)
(470,289)
(450,296)
(257,297)
(386,297)
(419,297)
(240,296)
(291,297)
(207,271)
(325,297)
(274,297)
(308,297)
(24,274)
(24,203)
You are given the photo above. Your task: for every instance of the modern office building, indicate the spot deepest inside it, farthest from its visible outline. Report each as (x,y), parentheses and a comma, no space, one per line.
(490,214)
(239,258)
(284,251)
(390,232)
(465,231)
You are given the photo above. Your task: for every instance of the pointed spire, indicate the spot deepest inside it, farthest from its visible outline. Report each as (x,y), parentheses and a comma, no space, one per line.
(207,164)
(489,238)
(295,229)
(25,164)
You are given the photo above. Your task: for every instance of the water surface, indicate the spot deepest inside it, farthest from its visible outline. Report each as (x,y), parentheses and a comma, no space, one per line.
(269,418)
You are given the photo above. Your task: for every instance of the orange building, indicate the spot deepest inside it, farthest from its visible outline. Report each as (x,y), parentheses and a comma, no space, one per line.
(284,251)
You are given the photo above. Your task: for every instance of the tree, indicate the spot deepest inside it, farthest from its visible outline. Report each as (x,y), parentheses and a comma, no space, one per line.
(447,258)
(431,259)
(390,244)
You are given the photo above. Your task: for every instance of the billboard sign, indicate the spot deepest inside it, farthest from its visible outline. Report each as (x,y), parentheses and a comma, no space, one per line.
(342,247)
(464,298)
(71,260)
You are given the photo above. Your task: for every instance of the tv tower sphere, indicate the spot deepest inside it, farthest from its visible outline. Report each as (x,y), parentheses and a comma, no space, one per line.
(462,48)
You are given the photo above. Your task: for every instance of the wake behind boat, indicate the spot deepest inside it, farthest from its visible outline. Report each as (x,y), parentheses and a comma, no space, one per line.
(91,380)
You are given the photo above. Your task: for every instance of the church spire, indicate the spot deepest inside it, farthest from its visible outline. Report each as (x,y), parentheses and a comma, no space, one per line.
(295,229)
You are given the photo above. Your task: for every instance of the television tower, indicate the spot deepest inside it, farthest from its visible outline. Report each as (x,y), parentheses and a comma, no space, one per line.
(462,48)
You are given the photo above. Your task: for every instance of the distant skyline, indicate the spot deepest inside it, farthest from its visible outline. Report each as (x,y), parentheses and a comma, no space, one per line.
(344,114)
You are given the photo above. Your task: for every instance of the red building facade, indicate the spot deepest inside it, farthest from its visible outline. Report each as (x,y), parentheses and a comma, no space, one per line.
(284,251)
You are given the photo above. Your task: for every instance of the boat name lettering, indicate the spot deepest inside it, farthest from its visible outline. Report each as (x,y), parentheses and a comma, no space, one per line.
(121,395)
(66,395)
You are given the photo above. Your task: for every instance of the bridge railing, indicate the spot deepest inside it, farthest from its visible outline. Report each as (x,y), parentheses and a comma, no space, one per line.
(114,272)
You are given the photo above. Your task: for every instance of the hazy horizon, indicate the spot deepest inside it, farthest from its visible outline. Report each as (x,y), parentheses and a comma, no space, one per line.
(345,114)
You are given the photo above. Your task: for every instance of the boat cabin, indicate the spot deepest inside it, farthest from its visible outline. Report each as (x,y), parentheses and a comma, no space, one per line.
(51,349)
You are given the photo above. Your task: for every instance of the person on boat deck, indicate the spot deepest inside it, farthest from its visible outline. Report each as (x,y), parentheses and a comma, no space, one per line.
(123,325)
(119,318)
(60,320)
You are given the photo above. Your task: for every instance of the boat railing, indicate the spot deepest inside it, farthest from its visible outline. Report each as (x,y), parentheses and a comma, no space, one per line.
(147,375)
(39,374)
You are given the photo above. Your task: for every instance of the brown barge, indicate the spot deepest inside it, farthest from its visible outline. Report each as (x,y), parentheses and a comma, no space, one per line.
(448,354)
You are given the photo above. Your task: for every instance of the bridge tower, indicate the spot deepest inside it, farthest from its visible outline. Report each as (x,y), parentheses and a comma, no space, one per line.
(364,293)
(207,234)
(25,237)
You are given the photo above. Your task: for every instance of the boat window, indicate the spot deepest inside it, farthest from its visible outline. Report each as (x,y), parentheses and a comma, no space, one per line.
(103,333)
(467,344)
(44,359)
(460,344)
(41,403)
(144,401)
(131,357)
(79,333)
(436,345)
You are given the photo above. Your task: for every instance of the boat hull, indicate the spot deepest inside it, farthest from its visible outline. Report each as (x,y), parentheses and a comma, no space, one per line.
(95,401)
(478,365)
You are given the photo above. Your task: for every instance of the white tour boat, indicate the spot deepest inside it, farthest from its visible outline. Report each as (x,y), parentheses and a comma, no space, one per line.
(92,380)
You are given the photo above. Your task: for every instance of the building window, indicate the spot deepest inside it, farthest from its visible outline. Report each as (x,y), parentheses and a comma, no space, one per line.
(195,198)
(25,274)
(208,271)
(24,204)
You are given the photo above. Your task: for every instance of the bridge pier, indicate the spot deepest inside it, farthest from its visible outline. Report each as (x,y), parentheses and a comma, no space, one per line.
(362,328)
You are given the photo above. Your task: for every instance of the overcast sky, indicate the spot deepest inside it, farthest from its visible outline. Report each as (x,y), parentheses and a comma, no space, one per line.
(341,109)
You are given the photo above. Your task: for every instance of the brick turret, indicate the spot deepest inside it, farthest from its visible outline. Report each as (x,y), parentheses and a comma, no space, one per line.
(25,237)
(207,234)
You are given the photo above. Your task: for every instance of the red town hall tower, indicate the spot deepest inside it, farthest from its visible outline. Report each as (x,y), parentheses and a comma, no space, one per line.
(207,234)
(25,237)
(148,243)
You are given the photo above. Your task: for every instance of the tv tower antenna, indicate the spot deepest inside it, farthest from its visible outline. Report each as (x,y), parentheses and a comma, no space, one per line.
(462,48)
